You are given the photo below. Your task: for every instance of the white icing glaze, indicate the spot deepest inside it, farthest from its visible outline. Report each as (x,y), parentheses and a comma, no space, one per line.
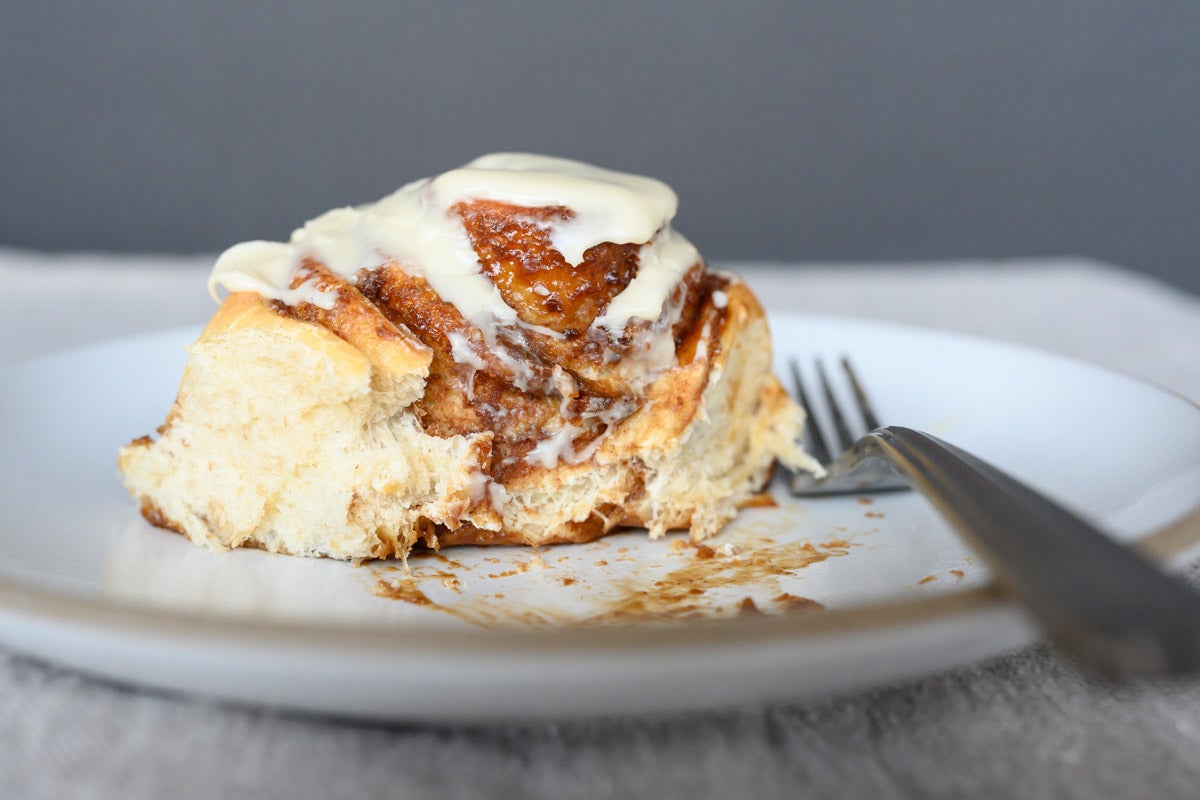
(560,446)
(477,485)
(464,354)
(557,446)
(498,495)
(267,268)
(608,206)
(413,226)
(661,265)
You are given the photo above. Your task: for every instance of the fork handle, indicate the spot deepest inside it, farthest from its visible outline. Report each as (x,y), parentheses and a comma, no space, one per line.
(1098,600)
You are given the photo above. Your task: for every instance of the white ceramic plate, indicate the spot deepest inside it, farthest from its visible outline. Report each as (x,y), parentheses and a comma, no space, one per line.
(506,632)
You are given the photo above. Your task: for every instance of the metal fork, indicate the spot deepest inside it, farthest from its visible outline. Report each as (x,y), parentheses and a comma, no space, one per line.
(1100,602)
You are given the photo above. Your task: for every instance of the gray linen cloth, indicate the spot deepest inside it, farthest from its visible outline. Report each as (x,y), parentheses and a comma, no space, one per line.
(1022,725)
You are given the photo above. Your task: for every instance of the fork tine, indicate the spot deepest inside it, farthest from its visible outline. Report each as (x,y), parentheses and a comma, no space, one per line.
(816,437)
(853,471)
(835,410)
(860,395)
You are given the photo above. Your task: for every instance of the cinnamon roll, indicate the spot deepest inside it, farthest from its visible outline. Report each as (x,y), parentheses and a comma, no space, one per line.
(519,351)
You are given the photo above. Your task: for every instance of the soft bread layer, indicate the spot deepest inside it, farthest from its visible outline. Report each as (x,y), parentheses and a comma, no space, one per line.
(291,437)
(287,437)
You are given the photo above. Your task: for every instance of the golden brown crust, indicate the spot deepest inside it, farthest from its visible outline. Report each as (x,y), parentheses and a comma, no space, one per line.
(155,516)
(361,323)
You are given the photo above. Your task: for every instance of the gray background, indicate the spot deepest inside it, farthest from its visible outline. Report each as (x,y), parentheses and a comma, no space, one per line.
(791,131)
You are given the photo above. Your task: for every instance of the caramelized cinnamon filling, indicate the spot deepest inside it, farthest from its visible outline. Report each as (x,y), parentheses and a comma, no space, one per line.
(688,330)
(515,251)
